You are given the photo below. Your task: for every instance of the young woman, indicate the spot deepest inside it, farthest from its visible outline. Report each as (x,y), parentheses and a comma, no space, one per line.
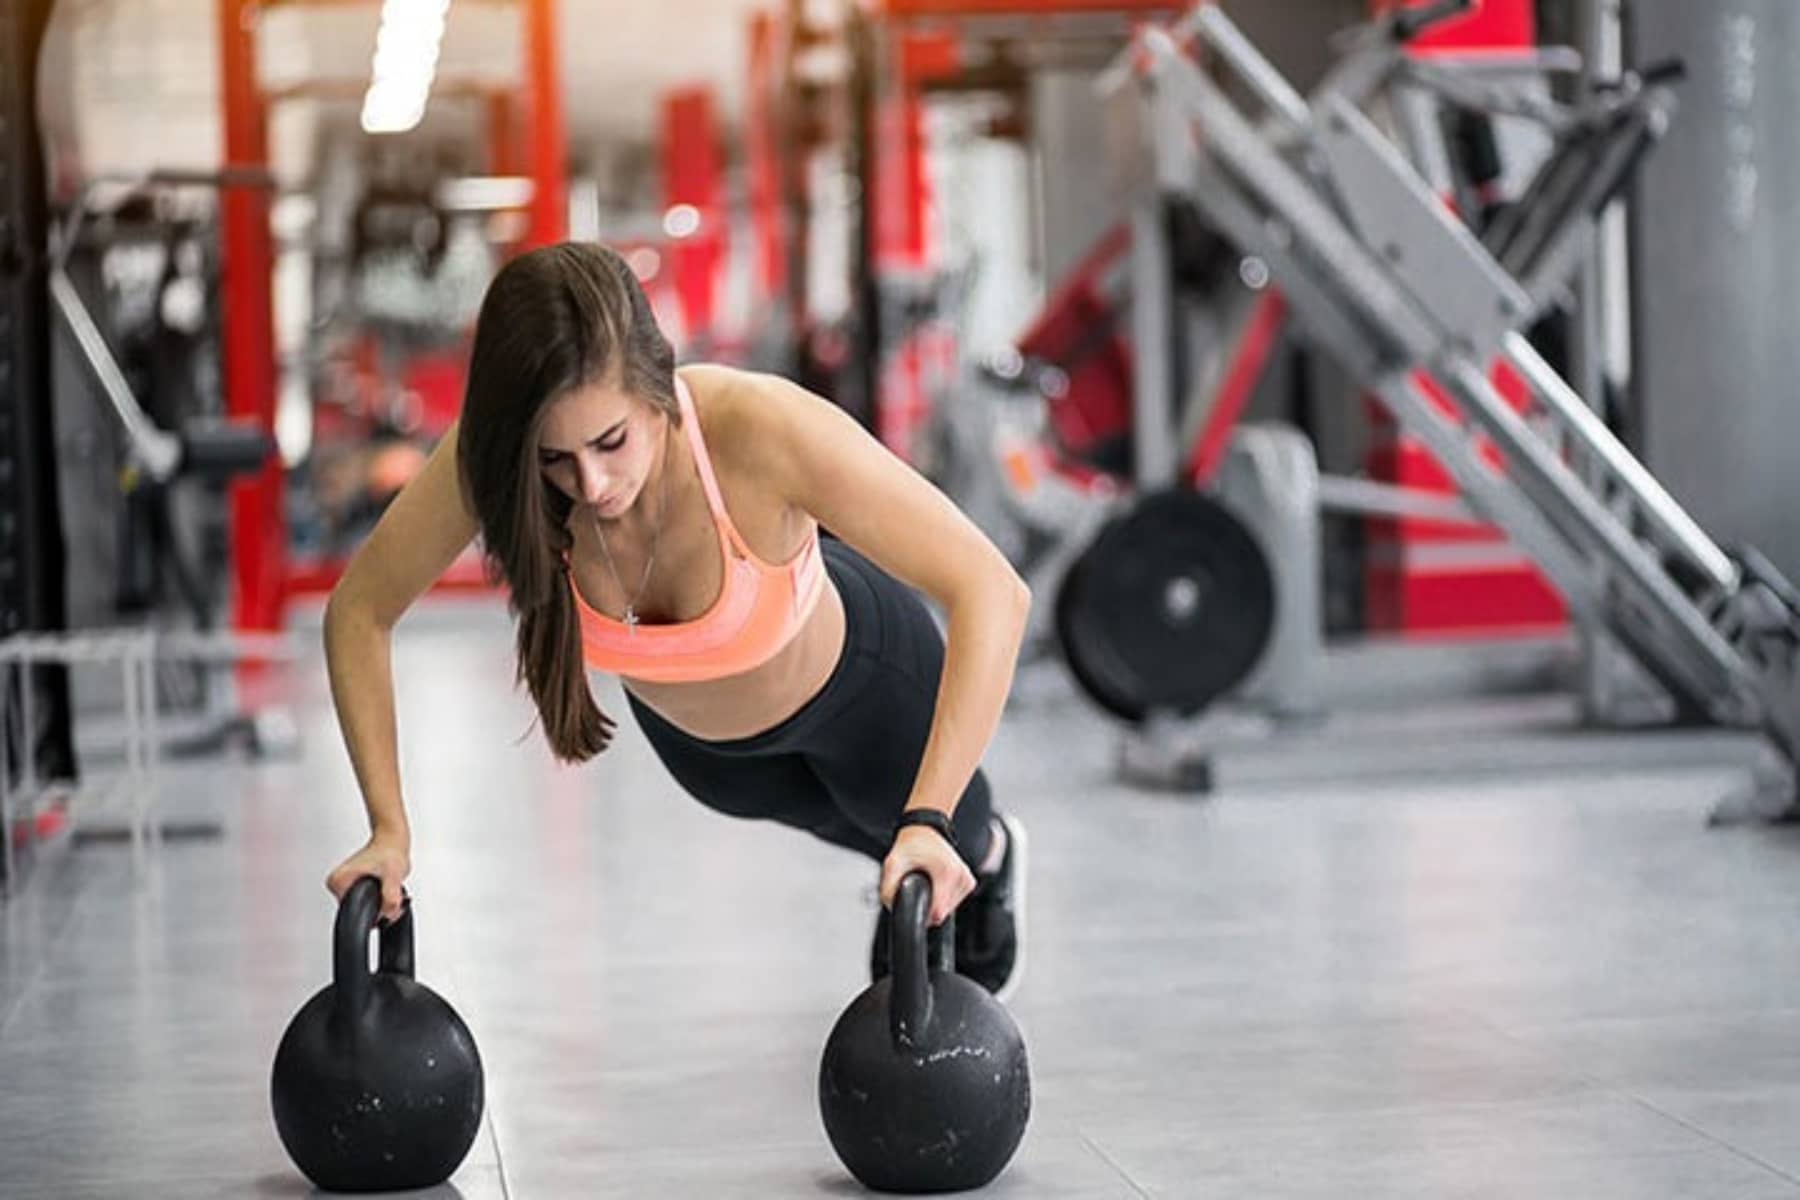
(664,526)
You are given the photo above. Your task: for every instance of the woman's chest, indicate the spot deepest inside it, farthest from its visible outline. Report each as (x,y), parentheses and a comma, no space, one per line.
(676,574)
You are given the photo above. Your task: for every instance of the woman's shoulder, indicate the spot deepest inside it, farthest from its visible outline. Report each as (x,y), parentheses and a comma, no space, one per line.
(734,406)
(721,387)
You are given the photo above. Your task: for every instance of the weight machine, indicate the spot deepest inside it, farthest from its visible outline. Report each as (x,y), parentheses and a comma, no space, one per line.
(1422,312)
(1207,328)
(203,449)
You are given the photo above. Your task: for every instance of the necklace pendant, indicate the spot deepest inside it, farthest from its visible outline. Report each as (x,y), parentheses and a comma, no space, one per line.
(631,620)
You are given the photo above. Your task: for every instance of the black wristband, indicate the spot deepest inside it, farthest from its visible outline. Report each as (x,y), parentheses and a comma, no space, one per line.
(930,818)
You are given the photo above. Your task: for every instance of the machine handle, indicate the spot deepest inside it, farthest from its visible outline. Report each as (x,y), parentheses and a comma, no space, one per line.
(1414,21)
(216,450)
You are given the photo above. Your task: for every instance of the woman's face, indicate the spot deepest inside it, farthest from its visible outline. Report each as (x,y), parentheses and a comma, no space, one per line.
(598,445)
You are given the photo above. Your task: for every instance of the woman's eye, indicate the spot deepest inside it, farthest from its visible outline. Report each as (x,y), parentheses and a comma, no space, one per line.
(612,443)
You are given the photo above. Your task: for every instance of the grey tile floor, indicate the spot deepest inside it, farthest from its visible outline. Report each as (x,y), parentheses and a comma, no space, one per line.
(1508,984)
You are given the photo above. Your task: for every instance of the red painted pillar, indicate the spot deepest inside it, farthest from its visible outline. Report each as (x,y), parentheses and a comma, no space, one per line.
(691,176)
(258,532)
(543,92)
(503,133)
(764,161)
(903,245)
(903,187)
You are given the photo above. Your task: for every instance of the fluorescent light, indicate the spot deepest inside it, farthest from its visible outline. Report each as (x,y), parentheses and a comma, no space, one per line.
(681,221)
(390,111)
(404,64)
(391,122)
(412,79)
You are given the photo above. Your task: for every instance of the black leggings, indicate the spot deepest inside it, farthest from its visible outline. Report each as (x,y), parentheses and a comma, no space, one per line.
(843,766)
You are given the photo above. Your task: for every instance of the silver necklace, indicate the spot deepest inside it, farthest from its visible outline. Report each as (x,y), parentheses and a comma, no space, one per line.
(662,509)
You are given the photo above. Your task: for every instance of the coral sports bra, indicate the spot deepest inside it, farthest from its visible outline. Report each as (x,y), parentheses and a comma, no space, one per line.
(760,609)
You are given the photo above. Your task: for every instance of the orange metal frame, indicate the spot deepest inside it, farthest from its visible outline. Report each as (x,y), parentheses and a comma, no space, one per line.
(262,579)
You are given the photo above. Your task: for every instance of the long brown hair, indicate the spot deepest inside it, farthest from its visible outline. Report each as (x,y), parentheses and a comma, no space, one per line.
(554,319)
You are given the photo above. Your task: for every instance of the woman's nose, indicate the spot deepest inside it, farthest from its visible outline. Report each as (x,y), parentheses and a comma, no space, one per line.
(592,479)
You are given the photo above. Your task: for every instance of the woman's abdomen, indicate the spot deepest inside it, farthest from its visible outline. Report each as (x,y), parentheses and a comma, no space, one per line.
(744,705)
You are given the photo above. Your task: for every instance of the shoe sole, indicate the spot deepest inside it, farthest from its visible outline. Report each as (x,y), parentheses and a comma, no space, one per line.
(1018,844)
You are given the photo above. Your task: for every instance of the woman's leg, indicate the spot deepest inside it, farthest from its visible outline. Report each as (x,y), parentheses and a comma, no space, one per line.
(865,736)
(843,766)
(768,785)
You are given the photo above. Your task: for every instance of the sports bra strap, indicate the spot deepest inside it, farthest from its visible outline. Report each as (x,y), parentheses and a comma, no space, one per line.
(690,421)
(715,499)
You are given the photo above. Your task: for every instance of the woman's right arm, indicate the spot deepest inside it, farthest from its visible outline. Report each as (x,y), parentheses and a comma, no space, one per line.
(424,529)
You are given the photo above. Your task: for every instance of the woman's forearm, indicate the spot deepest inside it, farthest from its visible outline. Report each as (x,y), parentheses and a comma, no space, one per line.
(358,657)
(981,651)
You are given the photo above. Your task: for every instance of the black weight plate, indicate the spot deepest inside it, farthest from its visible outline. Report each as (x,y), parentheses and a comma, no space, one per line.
(1170,608)
(1070,605)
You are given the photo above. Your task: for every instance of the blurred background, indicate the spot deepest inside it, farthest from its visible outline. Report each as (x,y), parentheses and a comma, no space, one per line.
(1391,405)
(267,227)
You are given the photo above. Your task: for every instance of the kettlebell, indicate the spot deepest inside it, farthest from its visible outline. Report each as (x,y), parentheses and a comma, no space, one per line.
(377,1084)
(924,1084)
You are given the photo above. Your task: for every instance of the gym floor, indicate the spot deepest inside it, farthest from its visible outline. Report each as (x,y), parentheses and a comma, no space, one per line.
(1557,983)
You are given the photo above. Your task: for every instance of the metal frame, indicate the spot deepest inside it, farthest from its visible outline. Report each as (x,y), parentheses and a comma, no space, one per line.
(1619,548)
(135,653)
(259,551)
(1376,68)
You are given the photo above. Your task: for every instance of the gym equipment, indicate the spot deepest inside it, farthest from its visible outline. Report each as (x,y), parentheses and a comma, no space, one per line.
(162,581)
(1418,309)
(168,563)
(1171,607)
(1269,478)
(209,448)
(377,1084)
(924,1084)
(1167,326)
(32,577)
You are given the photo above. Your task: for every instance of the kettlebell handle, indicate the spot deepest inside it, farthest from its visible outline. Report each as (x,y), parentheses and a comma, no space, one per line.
(358,915)
(910,1001)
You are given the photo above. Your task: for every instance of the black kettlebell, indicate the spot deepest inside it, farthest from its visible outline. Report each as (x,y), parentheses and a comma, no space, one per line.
(377,1084)
(924,1084)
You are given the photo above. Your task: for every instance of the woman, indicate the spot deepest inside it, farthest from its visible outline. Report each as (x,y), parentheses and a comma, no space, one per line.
(663,526)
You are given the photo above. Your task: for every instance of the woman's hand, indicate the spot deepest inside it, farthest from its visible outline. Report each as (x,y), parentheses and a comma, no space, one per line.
(388,858)
(919,848)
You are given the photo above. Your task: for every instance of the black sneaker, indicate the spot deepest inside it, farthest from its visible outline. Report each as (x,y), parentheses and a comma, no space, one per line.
(990,924)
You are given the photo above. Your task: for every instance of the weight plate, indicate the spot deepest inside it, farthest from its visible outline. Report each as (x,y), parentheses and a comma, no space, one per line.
(1170,608)
(1070,604)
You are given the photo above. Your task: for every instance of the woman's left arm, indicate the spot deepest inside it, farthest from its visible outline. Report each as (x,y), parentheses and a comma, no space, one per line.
(830,466)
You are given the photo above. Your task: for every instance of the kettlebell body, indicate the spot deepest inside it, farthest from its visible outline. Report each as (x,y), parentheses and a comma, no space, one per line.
(377,1084)
(924,1085)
